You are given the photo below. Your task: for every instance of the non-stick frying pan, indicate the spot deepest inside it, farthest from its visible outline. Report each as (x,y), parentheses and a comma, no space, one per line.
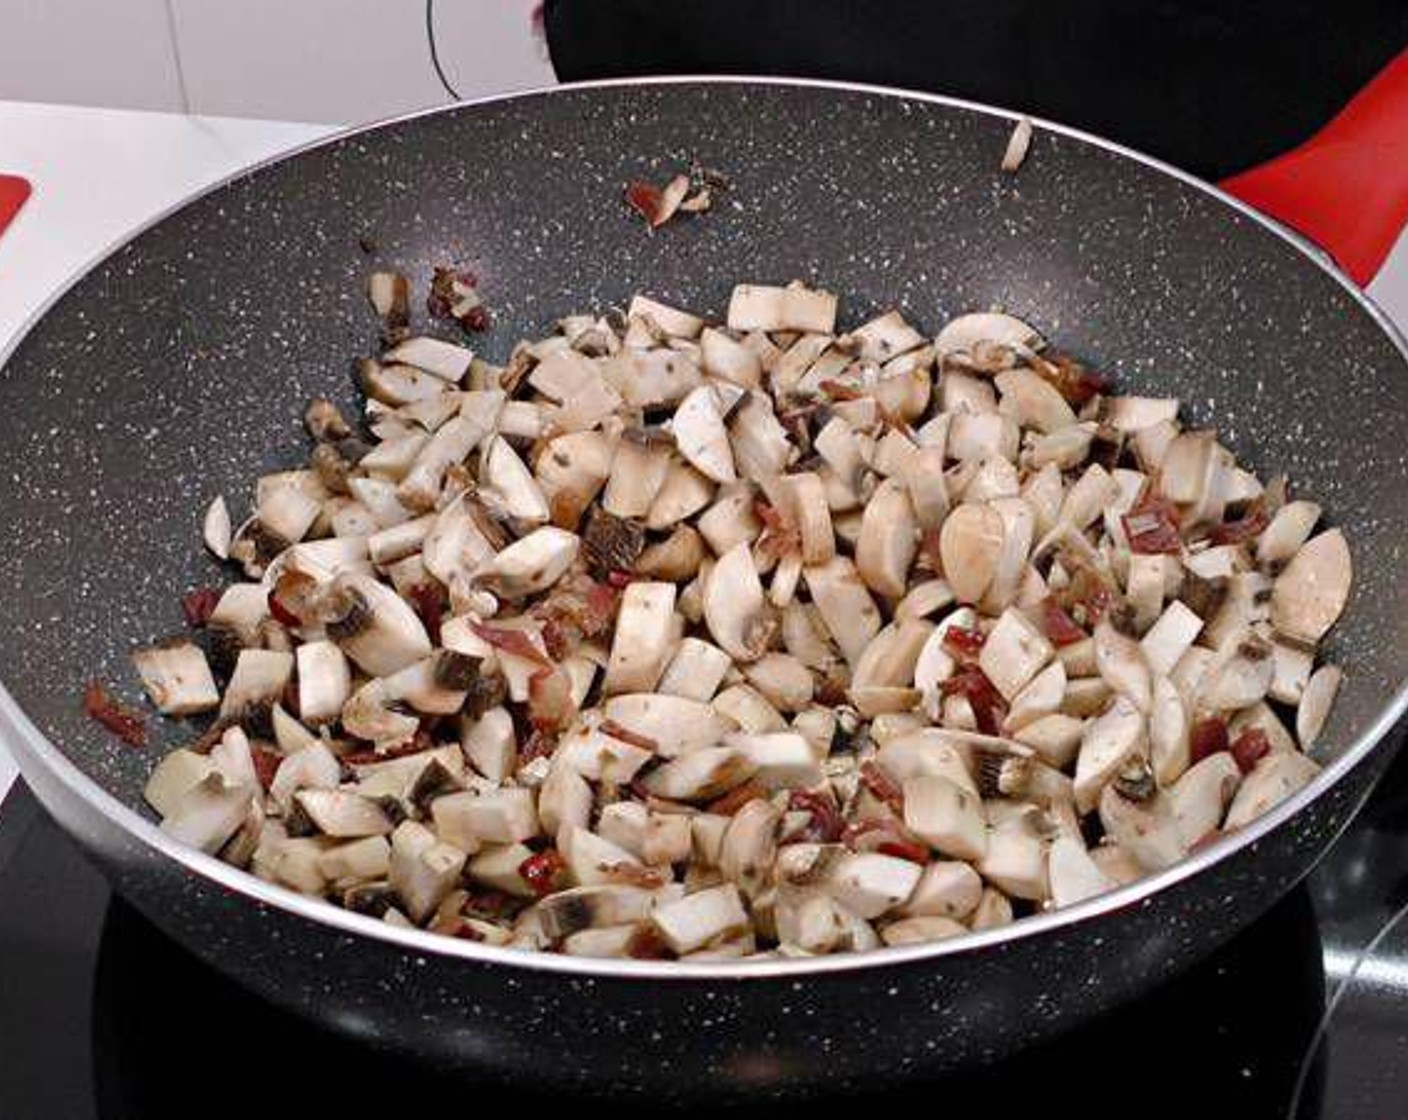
(178,366)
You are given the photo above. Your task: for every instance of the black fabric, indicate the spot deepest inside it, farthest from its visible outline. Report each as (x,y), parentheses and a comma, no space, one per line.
(1211,85)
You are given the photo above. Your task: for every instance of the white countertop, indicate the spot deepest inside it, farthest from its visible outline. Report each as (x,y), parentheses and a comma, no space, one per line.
(97,173)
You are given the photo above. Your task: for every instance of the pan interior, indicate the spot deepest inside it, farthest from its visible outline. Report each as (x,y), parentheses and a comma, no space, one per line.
(178,368)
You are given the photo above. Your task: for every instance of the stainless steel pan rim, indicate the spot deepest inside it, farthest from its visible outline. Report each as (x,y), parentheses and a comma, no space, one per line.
(31,745)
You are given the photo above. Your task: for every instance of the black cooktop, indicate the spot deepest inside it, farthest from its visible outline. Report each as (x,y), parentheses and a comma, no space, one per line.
(1304,1015)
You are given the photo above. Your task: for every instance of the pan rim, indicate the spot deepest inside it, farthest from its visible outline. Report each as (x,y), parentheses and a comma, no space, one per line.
(33,747)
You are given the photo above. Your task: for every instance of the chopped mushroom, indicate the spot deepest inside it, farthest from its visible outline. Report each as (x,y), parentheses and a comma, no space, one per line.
(740,641)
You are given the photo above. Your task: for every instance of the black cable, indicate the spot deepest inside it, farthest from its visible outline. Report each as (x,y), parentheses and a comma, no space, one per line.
(434,53)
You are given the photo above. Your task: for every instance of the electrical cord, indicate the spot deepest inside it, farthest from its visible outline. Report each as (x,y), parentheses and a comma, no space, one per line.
(434,51)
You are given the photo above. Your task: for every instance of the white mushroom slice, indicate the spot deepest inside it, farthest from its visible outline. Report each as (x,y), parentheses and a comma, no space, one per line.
(1072,874)
(368,715)
(891,658)
(792,371)
(1135,414)
(498,869)
(876,700)
(683,493)
(1065,448)
(378,495)
(527,420)
(1186,465)
(177,677)
(565,912)
(1239,675)
(1146,830)
(1045,493)
(924,599)
(1040,697)
(562,373)
(216,530)
(356,861)
(1144,589)
(844,604)
(535,562)
(759,441)
(968,336)
(870,884)
(511,484)
(671,320)
(813,517)
(970,547)
(781,760)
(700,775)
(782,680)
(699,431)
(1014,652)
(1289,529)
(324,681)
(946,816)
(1170,637)
(644,629)
(1122,666)
(1187,675)
(451,444)
(444,359)
(994,909)
(1291,669)
(888,540)
(676,724)
(731,520)
(1032,401)
(314,767)
(1015,862)
(1315,704)
(565,801)
(1078,658)
(668,839)
(287,513)
(1086,696)
(1055,738)
(883,338)
(399,384)
(379,630)
(749,709)
(755,307)
(721,356)
(1273,779)
(1311,592)
(624,823)
(571,472)
(386,546)
(946,889)
(1199,799)
(1169,724)
(695,671)
(259,678)
(490,744)
(208,814)
(935,664)
(472,819)
(1220,562)
(423,870)
(894,454)
(975,436)
(1108,743)
(336,812)
(701,918)
(652,378)
(1088,497)
(174,776)
(750,845)
(734,607)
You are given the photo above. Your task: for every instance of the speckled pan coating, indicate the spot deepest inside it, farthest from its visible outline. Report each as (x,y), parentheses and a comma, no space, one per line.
(177,369)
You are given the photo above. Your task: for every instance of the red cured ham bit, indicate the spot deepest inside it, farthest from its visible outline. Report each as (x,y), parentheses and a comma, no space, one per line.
(124,722)
(539,744)
(1249,748)
(825,826)
(1243,529)
(736,798)
(197,606)
(982,695)
(1152,527)
(266,763)
(550,700)
(882,786)
(516,642)
(281,613)
(645,200)
(1072,380)
(429,604)
(1059,627)
(886,837)
(542,871)
(964,644)
(626,735)
(1207,738)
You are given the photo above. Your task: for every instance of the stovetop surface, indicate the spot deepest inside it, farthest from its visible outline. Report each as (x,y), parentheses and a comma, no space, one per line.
(1304,1015)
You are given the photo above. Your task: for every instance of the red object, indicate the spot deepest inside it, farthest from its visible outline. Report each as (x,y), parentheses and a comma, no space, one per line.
(1059,627)
(542,871)
(1249,748)
(1152,527)
(1346,188)
(124,722)
(1243,529)
(964,644)
(1207,738)
(13,192)
(986,702)
(197,606)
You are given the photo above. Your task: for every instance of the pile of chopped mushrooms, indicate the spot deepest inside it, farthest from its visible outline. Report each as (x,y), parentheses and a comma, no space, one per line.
(674,639)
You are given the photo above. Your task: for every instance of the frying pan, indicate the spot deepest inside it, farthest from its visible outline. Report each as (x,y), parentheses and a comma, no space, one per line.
(177,368)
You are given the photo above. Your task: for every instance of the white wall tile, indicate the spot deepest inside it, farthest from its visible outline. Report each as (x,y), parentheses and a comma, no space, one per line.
(349,60)
(88,52)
